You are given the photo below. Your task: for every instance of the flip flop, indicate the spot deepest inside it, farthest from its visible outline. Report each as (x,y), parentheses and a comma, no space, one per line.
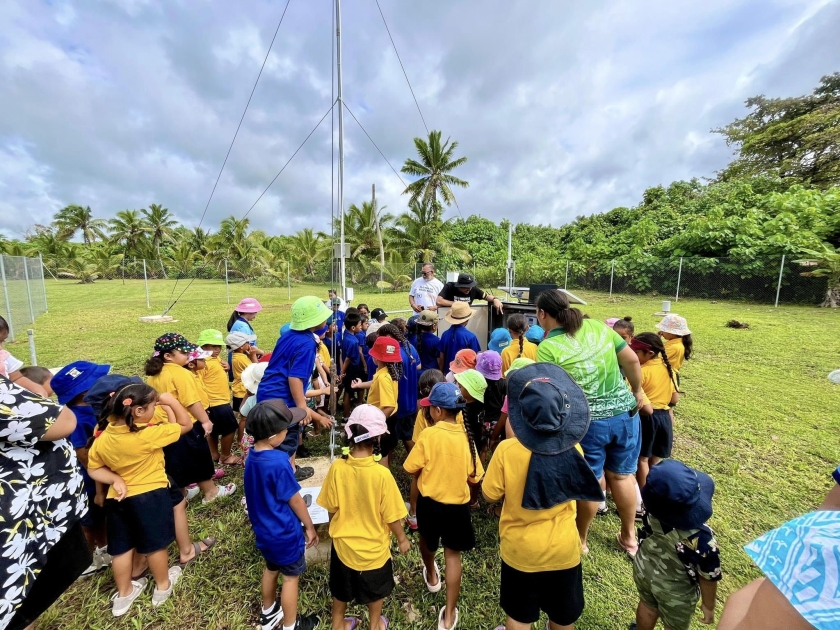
(630,551)
(384,621)
(354,621)
(433,588)
(209,542)
(237,461)
(218,474)
(440,620)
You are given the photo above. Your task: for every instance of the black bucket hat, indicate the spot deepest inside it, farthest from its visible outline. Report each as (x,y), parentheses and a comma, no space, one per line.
(102,390)
(465,281)
(679,496)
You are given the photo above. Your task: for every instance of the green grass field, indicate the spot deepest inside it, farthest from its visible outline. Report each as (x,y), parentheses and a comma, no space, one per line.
(758,414)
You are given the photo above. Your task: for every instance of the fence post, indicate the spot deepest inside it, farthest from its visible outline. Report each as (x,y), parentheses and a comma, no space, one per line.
(146,282)
(289,278)
(612,273)
(32,358)
(227,287)
(6,296)
(566,280)
(28,292)
(779,288)
(43,282)
(679,278)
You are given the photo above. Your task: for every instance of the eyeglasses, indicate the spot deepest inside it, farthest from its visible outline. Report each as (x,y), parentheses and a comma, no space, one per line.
(425,273)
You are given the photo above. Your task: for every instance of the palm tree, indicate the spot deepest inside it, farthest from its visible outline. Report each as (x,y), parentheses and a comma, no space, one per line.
(433,170)
(53,249)
(182,259)
(309,248)
(161,223)
(79,269)
(364,230)
(393,272)
(421,235)
(827,262)
(72,219)
(130,231)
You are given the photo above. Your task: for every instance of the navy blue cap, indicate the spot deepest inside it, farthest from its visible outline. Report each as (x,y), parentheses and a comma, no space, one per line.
(445,396)
(100,392)
(677,495)
(76,378)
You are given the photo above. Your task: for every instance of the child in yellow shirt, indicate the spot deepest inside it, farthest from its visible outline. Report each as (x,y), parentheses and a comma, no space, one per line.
(660,387)
(365,508)
(678,343)
(215,380)
(445,462)
(517,325)
(139,503)
(383,391)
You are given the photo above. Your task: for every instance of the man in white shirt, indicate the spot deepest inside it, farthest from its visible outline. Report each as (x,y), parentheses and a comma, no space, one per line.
(342,305)
(424,290)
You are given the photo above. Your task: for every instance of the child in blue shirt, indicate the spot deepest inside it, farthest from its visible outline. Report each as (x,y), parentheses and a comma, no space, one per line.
(401,426)
(276,510)
(457,337)
(426,341)
(352,365)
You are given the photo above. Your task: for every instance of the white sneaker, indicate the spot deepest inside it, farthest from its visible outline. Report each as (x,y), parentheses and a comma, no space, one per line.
(159,597)
(123,604)
(224,491)
(101,560)
(192,493)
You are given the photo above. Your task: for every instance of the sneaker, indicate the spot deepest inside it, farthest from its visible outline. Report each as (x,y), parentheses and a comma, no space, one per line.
(306,623)
(192,493)
(304,472)
(123,604)
(101,561)
(224,491)
(159,597)
(271,619)
(411,519)
(602,509)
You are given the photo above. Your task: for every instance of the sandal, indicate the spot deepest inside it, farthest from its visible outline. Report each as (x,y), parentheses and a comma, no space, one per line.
(354,621)
(384,621)
(629,550)
(495,511)
(440,620)
(218,474)
(224,491)
(237,461)
(433,588)
(208,544)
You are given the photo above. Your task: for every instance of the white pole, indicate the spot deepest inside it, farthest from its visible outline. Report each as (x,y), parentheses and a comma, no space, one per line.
(28,291)
(146,282)
(44,282)
(612,273)
(6,296)
(32,358)
(510,259)
(343,262)
(227,286)
(289,278)
(779,288)
(566,281)
(679,278)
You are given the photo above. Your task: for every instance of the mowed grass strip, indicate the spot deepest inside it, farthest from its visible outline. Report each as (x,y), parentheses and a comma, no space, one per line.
(758,414)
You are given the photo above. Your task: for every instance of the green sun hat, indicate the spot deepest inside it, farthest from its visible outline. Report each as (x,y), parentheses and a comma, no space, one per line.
(473,382)
(518,364)
(308,312)
(210,337)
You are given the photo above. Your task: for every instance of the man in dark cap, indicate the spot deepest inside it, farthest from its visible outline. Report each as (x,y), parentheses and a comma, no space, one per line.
(465,289)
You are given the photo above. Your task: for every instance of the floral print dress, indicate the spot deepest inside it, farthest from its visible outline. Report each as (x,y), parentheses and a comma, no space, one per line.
(41,492)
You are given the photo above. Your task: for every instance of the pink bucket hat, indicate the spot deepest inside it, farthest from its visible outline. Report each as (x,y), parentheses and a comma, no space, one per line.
(674,324)
(369,417)
(248,305)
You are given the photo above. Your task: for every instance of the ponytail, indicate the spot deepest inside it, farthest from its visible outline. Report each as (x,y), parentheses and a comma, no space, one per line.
(154,365)
(350,443)
(233,317)
(122,403)
(688,344)
(556,306)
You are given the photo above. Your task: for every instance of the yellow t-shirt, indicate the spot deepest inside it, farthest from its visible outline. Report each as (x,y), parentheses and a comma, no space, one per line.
(383,390)
(239,361)
(364,498)
(442,456)
(531,540)
(324,354)
(675,351)
(656,383)
(202,391)
(136,456)
(215,381)
(178,381)
(420,424)
(511,353)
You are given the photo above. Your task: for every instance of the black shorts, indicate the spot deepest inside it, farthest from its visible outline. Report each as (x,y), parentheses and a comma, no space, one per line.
(95,516)
(175,493)
(224,422)
(189,460)
(144,522)
(557,593)
(288,570)
(401,428)
(445,524)
(657,434)
(363,587)
(236,403)
(292,441)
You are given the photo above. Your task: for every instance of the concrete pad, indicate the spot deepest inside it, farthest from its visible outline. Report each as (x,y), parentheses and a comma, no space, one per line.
(157,319)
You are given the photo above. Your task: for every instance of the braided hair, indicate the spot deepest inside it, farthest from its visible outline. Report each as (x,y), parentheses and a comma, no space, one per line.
(473,450)
(350,443)
(518,324)
(123,402)
(658,348)
(393,331)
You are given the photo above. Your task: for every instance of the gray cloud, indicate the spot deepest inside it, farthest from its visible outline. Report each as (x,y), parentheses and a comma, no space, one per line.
(562,110)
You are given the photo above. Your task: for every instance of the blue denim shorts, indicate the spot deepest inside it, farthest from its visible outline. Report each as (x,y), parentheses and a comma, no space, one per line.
(613,444)
(289,570)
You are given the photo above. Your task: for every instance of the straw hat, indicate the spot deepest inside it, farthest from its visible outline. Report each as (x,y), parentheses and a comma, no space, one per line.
(460,313)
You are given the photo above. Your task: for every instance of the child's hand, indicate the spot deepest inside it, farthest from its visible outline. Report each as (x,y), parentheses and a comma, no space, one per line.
(327,423)
(311,537)
(225,364)
(120,488)
(356,382)
(404,545)
(707,615)
(208,427)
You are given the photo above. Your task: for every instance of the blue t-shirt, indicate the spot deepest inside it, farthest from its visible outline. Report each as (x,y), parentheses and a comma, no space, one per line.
(241,325)
(407,387)
(454,339)
(428,349)
(362,337)
(371,367)
(293,356)
(350,350)
(85,426)
(269,486)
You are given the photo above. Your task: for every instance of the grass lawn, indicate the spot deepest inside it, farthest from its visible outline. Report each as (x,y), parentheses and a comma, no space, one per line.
(758,415)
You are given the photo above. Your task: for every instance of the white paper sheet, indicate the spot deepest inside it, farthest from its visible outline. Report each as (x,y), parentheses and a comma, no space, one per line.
(318,514)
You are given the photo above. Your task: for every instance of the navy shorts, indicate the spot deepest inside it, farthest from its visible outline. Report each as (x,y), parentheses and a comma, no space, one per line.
(613,444)
(363,587)
(445,524)
(288,570)
(144,522)
(657,434)
(557,593)
(224,422)
(292,441)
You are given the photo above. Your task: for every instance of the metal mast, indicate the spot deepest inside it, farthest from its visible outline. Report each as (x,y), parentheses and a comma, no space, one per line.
(343,263)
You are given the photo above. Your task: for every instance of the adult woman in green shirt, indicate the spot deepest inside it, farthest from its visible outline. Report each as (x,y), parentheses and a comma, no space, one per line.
(592,353)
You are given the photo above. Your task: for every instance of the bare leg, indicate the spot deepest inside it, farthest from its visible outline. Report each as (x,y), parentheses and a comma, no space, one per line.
(428,561)
(413,494)
(121,565)
(209,488)
(646,616)
(269,588)
(375,614)
(642,471)
(654,460)
(453,584)
(409,444)
(213,441)
(515,625)
(159,568)
(624,495)
(339,610)
(227,445)
(586,511)
(289,599)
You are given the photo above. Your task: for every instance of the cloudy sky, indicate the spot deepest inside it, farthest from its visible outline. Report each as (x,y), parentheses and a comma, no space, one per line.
(563,108)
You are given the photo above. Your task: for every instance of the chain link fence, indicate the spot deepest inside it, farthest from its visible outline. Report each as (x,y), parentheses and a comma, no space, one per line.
(24,292)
